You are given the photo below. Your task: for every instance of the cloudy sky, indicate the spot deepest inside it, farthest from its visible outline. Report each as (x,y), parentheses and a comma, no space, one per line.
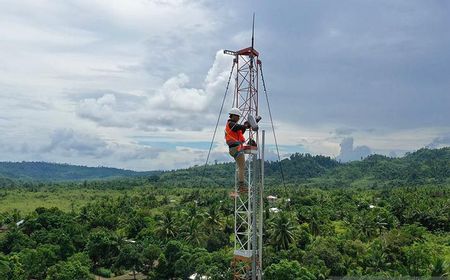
(138,84)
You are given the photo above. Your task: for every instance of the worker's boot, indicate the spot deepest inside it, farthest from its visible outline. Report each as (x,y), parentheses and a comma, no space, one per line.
(234,194)
(242,188)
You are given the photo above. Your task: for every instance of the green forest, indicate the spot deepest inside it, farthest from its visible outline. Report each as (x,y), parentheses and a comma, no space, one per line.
(45,171)
(380,217)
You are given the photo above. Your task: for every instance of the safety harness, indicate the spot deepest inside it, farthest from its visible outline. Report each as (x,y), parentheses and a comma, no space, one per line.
(234,139)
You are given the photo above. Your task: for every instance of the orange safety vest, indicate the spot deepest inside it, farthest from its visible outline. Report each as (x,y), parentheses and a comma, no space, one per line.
(234,137)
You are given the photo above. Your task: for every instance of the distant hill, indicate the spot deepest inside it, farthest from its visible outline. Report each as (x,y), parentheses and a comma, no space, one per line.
(44,171)
(296,168)
(420,167)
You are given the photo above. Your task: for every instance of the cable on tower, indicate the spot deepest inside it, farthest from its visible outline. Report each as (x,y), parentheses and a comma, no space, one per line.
(273,127)
(217,124)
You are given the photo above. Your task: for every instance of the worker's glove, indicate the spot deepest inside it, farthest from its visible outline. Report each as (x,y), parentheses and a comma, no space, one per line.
(247,124)
(258,118)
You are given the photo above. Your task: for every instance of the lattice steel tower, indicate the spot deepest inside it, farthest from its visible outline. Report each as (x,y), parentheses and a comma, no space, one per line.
(248,205)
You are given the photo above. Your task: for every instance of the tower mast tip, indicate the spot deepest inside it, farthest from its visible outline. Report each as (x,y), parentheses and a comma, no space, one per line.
(253,30)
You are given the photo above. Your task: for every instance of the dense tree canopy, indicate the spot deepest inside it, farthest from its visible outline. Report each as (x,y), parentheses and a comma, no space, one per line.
(379,217)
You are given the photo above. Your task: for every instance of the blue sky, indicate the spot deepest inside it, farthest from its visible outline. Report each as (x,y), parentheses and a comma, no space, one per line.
(138,84)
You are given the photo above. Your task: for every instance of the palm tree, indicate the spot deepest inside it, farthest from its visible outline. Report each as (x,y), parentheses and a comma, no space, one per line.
(281,231)
(311,216)
(439,268)
(314,223)
(194,232)
(213,218)
(192,211)
(167,228)
(365,227)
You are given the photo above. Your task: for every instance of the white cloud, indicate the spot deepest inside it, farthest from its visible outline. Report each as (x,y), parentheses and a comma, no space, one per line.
(113,71)
(100,73)
(174,105)
(101,110)
(349,153)
(440,141)
(174,95)
(68,143)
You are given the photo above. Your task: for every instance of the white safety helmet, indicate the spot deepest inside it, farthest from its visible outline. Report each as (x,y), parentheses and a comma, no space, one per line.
(235,111)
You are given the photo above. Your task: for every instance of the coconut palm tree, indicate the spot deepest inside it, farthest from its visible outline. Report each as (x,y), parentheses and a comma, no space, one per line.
(213,217)
(194,232)
(281,232)
(167,227)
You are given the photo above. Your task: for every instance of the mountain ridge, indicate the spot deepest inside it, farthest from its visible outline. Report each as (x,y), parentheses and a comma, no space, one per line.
(421,165)
(48,171)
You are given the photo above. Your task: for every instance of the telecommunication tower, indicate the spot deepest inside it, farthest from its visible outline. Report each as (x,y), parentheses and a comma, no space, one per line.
(248,205)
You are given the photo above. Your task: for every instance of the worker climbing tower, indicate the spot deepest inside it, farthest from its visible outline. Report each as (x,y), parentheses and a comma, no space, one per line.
(248,204)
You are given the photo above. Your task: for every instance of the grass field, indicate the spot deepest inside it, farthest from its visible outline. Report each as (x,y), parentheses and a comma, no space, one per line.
(65,199)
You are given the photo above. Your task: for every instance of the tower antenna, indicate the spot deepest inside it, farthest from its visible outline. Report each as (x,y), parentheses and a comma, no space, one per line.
(253,31)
